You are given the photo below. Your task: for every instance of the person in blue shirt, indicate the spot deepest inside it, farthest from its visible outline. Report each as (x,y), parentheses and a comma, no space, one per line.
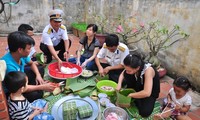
(20,44)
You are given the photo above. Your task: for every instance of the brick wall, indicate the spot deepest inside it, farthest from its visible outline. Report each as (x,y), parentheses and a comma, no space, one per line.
(3,105)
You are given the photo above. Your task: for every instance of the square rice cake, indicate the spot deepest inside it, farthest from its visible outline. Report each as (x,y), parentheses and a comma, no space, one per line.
(84,111)
(69,110)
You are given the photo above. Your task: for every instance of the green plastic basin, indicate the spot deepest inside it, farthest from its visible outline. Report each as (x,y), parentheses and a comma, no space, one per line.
(108,83)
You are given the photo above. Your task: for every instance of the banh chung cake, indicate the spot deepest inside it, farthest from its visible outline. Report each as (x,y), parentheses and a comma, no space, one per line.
(84,111)
(69,110)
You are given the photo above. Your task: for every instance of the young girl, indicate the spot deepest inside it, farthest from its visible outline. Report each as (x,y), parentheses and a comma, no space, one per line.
(178,101)
(91,48)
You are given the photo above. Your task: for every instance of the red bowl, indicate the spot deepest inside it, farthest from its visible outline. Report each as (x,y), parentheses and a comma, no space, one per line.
(54,72)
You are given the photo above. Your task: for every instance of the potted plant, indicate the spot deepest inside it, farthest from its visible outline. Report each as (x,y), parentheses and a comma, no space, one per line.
(74,29)
(82,29)
(79,29)
(102,22)
(158,38)
(128,31)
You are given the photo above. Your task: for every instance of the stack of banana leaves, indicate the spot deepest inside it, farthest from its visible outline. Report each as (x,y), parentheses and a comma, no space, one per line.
(80,86)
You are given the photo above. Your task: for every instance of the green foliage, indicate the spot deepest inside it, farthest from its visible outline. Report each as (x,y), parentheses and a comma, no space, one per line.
(80,26)
(159,37)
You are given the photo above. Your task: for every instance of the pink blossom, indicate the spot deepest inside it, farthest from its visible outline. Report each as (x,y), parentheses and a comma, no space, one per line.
(135,30)
(141,24)
(119,29)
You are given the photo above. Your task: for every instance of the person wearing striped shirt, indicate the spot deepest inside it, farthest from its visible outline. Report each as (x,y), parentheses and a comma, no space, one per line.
(18,106)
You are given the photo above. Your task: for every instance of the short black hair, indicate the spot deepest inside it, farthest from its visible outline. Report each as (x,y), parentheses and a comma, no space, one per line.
(14,81)
(182,82)
(112,40)
(19,39)
(94,27)
(25,27)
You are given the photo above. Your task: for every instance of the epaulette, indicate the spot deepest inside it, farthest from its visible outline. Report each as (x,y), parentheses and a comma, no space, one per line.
(62,27)
(104,46)
(49,31)
(121,48)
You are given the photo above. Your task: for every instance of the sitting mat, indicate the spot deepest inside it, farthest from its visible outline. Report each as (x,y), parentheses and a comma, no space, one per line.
(52,100)
(134,115)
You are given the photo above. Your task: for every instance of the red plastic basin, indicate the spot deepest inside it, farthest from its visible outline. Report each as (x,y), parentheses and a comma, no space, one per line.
(54,72)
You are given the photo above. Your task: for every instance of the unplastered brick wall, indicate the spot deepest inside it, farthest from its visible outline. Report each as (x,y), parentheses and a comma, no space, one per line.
(3,105)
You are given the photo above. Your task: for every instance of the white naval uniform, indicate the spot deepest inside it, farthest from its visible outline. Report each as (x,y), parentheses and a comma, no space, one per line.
(51,37)
(33,51)
(114,58)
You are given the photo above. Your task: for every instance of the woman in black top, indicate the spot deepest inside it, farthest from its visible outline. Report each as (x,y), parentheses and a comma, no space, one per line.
(91,48)
(144,79)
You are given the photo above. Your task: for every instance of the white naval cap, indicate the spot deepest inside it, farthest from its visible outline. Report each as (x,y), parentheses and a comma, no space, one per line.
(56,15)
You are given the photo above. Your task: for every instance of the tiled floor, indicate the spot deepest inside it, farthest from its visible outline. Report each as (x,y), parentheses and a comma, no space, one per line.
(166,82)
(75,43)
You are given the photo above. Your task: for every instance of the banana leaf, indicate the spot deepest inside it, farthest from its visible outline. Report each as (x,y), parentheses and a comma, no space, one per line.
(122,97)
(98,77)
(84,92)
(76,84)
(52,100)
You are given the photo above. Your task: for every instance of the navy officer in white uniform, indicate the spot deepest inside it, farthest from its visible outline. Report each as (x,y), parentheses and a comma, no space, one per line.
(55,38)
(112,53)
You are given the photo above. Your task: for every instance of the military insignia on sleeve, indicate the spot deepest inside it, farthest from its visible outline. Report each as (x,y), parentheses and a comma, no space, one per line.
(49,31)
(121,48)
(62,27)
(104,45)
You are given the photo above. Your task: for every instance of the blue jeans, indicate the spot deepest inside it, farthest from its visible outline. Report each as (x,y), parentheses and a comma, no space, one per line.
(89,65)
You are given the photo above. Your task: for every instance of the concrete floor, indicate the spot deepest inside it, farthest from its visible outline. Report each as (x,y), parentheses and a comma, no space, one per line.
(165,85)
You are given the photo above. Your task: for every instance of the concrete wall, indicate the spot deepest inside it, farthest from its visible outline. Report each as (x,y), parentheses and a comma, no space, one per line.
(181,59)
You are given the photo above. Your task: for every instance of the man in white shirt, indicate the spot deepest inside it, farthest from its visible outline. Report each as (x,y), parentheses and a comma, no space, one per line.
(113,52)
(55,38)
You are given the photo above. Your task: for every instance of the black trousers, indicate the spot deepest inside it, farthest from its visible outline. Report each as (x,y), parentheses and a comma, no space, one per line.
(113,74)
(33,95)
(60,47)
(145,105)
